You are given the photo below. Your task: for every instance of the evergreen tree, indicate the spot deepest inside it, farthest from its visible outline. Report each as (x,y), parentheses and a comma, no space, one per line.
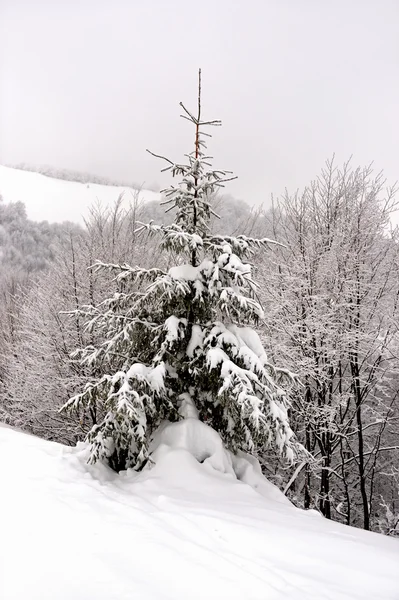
(179,342)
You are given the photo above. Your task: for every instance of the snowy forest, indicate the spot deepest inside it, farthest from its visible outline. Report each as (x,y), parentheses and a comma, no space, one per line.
(144,315)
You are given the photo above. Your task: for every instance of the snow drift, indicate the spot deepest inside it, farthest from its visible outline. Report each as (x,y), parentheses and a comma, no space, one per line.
(198,524)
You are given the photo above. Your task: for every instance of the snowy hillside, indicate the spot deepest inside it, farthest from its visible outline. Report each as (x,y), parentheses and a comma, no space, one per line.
(183,530)
(56,200)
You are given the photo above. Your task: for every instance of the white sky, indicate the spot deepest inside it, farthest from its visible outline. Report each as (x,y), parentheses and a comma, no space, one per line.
(90,84)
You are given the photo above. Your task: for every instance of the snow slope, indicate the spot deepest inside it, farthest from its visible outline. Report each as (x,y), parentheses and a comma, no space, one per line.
(180,531)
(56,200)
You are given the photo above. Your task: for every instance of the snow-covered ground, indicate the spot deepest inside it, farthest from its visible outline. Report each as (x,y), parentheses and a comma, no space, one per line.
(183,530)
(56,200)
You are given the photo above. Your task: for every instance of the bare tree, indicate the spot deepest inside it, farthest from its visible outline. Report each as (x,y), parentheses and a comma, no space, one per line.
(332,295)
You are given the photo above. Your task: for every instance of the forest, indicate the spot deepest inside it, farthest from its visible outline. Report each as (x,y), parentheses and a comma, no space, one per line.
(329,289)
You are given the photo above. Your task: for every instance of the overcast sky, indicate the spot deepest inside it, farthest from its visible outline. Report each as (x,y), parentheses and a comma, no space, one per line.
(90,84)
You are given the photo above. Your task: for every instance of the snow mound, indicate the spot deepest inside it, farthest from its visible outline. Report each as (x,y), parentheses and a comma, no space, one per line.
(56,200)
(196,438)
(204,444)
(182,529)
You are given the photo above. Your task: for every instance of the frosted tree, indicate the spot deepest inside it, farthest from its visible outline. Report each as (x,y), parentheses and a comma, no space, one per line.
(333,293)
(40,376)
(179,342)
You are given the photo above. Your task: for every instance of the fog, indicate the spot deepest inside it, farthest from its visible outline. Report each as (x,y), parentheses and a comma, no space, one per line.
(90,85)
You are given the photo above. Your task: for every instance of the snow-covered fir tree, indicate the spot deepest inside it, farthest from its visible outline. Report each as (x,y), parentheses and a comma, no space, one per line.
(179,343)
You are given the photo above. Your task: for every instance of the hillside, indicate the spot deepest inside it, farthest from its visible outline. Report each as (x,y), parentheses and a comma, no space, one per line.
(72,175)
(182,530)
(56,200)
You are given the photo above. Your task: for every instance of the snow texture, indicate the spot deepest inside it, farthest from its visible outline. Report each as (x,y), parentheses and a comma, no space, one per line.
(187,408)
(248,336)
(180,530)
(186,272)
(154,377)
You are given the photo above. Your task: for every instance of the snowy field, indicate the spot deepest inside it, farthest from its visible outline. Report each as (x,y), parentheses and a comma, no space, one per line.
(56,200)
(180,531)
